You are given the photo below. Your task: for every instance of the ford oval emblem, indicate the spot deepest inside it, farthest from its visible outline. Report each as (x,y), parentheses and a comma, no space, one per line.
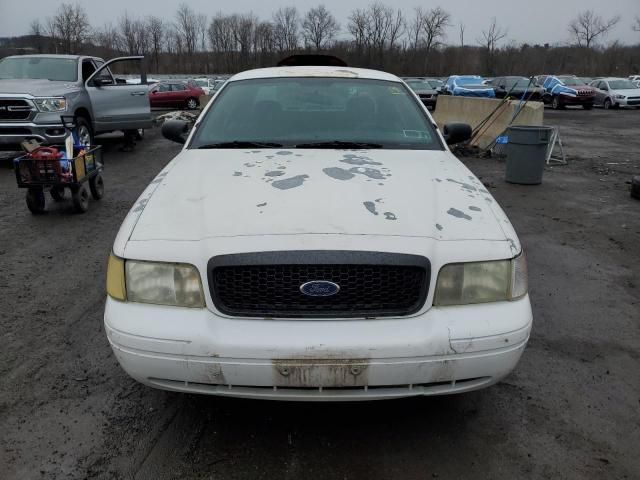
(319,288)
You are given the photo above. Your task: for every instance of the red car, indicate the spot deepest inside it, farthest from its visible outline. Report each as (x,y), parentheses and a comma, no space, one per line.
(175,94)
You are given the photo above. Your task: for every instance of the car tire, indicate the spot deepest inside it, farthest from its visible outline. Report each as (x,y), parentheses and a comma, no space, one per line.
(635,187)
(556,104)
(35,200)
(192,103)
(607,104)
(587,106)
(83,131)
(80,197)
(139,134)
(57,193)
(96,184)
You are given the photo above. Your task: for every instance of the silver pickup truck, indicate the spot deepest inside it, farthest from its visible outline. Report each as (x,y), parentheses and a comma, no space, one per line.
(36,90)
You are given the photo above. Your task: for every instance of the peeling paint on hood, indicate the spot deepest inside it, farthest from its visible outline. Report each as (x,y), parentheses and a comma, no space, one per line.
(320,198)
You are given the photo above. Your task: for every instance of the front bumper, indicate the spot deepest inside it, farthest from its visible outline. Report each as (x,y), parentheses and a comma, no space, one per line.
(579,100)
(444,350)
(627,102)
(12,133)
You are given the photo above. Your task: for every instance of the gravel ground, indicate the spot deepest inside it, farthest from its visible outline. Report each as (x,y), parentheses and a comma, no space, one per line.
(569,411)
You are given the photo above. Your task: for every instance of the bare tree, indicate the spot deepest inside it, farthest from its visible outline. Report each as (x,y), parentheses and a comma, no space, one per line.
(128,34)
(319,27)
(461,28)
(70,27)
(108,38)
(636,26)
(201,31)
(286,22)
(489,41)
(156,27)
(36,29)
(435,23)
(359,27)
(186,27)
(588,26)
(416,27)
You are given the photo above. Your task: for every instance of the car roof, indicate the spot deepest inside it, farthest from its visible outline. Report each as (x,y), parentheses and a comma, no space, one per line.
(312,71)
(53,55)
(611,78)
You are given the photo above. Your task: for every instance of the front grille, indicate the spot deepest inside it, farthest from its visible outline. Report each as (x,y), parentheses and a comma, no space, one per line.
(14,109)
(585,93)
(372,284)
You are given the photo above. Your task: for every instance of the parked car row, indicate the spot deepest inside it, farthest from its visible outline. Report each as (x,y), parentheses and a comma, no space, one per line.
(558,91)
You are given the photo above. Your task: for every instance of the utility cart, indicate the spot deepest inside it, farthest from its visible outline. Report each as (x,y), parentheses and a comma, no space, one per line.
(43,170)
(47,168)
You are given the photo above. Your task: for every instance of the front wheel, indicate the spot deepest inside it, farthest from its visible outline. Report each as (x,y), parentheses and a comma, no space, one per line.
(192,104)
(556,104)
(83,132)
(35,200)
(96,184)
(607,104)
(80,198)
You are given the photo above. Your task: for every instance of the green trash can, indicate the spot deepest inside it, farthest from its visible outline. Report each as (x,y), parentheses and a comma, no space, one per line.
(526,154)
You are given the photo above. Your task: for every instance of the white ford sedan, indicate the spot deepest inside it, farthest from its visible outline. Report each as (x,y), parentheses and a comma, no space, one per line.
(316,240)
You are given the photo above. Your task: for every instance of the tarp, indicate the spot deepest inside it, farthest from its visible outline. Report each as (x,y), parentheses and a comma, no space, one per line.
(462,91)
(554,86)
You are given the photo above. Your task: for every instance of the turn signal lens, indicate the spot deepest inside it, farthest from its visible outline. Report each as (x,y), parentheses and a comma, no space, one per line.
(115,278)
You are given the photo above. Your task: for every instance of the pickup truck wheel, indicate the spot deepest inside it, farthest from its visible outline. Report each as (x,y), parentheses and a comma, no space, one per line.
(35,200)
(83,131)
(96,184)
(80,198)
(192,104)
(57,193)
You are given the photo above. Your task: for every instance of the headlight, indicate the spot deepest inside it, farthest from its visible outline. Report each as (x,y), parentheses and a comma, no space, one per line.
(620,96)
(51,104)
(175,284)
(481,282)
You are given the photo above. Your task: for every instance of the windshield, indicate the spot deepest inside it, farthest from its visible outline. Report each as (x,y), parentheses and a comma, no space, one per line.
(518,82)
(572,82)
(39,68)
(621,84)
(419,85)
(464,81)
(325,112)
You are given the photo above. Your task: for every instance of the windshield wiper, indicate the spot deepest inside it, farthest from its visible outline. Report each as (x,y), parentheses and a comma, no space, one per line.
(241,144)
(339,144)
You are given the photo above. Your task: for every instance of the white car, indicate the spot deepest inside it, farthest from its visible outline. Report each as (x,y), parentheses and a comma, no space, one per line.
(316,240)
(206,84)
(616,92)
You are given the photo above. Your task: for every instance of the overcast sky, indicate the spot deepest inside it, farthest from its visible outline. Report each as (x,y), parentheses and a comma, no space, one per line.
(531,21)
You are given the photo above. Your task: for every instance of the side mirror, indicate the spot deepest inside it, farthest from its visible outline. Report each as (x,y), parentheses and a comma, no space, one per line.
(175,130)
(101,82)
(456,132)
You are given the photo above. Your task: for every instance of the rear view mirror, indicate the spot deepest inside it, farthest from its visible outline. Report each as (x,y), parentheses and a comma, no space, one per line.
(175,130)
(456,132)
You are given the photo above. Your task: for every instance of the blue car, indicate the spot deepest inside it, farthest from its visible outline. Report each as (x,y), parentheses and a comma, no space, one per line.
(468,86)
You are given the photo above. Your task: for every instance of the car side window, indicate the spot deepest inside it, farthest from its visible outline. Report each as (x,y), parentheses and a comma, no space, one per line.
(104,75)
(87,69)
(164,87)
(178,87)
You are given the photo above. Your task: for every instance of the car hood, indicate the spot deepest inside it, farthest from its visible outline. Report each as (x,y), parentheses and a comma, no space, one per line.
(628,92)
(233,193)
(37,88)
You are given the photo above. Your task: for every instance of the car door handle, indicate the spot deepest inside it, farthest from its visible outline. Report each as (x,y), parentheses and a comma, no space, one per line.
(138,94)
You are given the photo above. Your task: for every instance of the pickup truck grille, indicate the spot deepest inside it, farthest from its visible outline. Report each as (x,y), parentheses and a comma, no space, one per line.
(372,284)
(15,109)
